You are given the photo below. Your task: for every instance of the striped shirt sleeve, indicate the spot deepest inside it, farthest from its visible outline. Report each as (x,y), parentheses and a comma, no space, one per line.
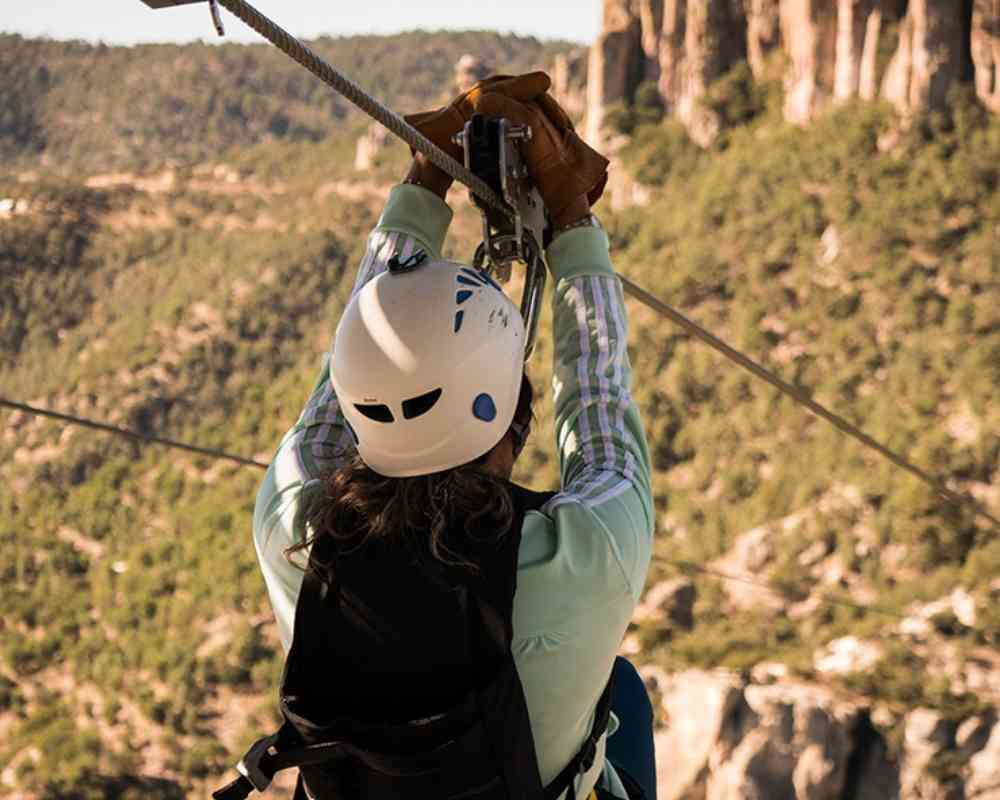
(604,459)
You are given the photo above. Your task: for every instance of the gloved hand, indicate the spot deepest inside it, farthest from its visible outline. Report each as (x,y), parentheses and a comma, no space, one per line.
(442,123)
(566,170)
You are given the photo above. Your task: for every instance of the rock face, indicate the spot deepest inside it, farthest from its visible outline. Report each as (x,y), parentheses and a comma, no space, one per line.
(725,739)
(982,772)
(615,65)
(469,70)
(823,51)
(799,747)
(859,23)
(569,81)
(925,734)
(707,715)
(650,26)
(763,37)
(669,603)
(809,33)
(369,144)
(985,51)
(714,41)
(929,58)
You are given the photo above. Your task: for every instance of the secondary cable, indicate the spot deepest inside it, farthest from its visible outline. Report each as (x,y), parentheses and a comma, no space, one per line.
(145,437)
(683,565)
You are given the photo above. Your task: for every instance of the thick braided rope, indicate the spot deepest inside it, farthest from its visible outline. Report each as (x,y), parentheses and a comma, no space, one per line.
(296,50)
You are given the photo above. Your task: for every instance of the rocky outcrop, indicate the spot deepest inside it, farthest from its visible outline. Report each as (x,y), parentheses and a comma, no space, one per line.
(726,739)
(982,771)
(859,24)
(925,735)
(985,51)
(799,747)
(650,26)
(846,655)
(929,58)
(369,144)
(824,51)
(868,68)
(809,33)
(707,715)
(669,604)
(469,70)
(615,65)
(569,81)
(714,40)
(763,38)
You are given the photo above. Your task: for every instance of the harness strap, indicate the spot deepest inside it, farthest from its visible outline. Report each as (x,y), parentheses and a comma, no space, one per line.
(584,759)
(267,763)
(258,775)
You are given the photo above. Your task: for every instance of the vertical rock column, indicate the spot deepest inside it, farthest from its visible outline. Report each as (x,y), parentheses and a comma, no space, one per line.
(701,40)
(650,26)
(671,52)
(569,81)
(615,64)
(985,43)
(868,72)
(929,58)
(809,31)
(858,27)
(763,37)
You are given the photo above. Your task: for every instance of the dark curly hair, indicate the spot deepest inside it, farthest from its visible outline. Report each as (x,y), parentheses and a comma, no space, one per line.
(357,505)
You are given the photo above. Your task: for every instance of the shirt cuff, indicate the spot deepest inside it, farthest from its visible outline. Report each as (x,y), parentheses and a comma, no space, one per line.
(418,212)
(579,251)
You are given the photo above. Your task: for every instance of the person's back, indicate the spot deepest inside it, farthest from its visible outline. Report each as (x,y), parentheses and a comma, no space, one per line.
(581,553)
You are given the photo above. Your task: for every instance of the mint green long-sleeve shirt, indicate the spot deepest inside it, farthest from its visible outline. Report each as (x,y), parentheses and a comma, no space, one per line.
(584,556)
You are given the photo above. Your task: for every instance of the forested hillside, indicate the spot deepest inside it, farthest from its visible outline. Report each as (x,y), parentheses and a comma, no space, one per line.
(69,106)
(179,230)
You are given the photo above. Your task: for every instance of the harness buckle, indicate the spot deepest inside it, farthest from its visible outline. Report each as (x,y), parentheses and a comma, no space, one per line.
(249,766)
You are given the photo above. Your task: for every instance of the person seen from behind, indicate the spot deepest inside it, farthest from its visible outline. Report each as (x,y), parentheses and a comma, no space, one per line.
(457,631)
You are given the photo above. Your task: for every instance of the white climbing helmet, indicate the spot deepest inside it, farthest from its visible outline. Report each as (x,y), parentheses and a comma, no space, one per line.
(427,365)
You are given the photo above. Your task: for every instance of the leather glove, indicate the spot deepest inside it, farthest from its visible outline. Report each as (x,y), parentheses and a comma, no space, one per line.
(442,123)
(563,166)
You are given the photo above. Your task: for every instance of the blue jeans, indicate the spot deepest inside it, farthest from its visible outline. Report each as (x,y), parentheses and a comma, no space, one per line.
(630,749)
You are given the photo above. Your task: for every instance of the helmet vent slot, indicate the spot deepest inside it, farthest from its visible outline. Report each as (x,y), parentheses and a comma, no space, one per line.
(417,406)
(379,412)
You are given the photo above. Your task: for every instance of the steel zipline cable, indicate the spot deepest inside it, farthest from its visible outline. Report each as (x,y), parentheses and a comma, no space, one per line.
(299,52)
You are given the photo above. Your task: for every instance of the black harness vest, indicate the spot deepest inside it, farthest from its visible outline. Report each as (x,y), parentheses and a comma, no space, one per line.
(400,682)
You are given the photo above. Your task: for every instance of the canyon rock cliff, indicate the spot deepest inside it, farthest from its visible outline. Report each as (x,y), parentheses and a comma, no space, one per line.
(909,52)
(985,51)
(569,81)
(726,738)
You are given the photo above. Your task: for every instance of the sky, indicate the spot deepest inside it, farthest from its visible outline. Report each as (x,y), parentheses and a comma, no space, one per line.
(131,21)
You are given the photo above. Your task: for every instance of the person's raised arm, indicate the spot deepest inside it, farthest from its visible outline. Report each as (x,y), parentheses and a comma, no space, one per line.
(604,460)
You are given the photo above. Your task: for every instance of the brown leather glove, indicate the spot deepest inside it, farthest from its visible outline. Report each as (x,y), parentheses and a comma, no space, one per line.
(442,123)
(563,166)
